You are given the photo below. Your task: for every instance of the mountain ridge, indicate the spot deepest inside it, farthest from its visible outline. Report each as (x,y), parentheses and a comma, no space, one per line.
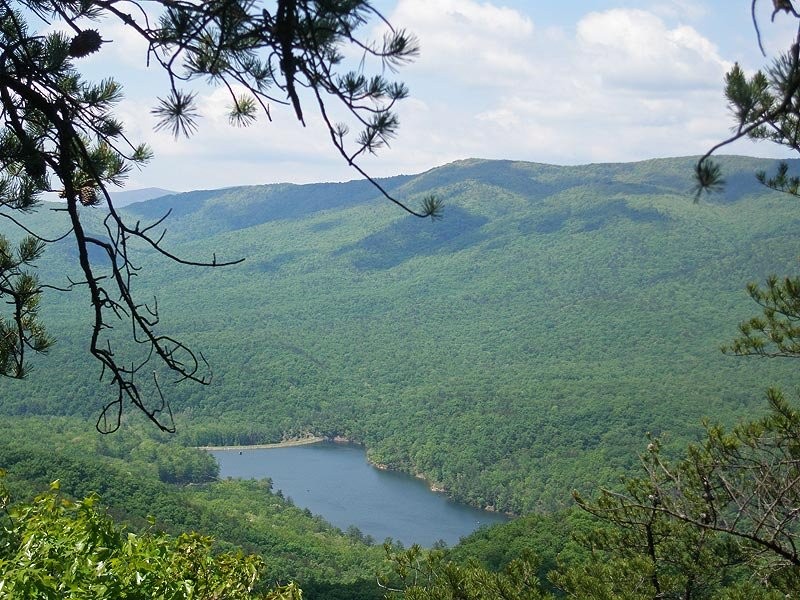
(515,350)
(126,197)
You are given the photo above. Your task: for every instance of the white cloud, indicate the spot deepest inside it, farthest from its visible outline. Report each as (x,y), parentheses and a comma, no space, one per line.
(492,82)
(622,85)
(472,41)
(687,10)
(635,49)
(220,154)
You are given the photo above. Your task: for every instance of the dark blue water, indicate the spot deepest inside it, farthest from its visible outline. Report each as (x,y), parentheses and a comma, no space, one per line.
(336,482)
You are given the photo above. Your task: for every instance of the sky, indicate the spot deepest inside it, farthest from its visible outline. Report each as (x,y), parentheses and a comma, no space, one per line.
(568,82)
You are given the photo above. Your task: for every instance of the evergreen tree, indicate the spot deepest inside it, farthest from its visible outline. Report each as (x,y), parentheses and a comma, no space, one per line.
(723,516)
(421,575)
(61,135)
(764,107)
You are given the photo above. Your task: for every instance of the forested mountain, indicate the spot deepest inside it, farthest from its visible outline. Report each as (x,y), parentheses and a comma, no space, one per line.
(518,348)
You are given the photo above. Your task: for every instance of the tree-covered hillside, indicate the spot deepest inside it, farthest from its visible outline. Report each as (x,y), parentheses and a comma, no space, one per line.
(152,484)
(517,349)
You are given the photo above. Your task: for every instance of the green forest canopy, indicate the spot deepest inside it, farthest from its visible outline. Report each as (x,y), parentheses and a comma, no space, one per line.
(571,310)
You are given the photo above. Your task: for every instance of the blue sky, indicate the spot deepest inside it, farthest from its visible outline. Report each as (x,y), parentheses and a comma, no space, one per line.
(566,82)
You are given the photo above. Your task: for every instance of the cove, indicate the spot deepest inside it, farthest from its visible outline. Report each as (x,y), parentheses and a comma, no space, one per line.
(336,482)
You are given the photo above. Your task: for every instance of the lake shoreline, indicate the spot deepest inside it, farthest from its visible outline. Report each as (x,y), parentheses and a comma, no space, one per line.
(317,439)
(433,487)
(284,444)
(333,480)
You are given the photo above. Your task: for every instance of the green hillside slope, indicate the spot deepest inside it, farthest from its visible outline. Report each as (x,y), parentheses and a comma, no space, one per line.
(517,349)
(153,485)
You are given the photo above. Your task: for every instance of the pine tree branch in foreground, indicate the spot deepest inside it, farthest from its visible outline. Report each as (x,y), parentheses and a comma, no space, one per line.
(61,134)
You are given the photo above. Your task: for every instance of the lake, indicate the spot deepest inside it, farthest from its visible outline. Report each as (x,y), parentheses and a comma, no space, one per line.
(336,482)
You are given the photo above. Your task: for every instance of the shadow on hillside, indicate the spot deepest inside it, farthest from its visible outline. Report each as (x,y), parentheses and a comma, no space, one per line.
(410,237)
(274,263)
(590,219)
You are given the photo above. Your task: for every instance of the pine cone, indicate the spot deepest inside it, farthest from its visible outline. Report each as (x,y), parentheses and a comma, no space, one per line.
(88,196)
(86,42)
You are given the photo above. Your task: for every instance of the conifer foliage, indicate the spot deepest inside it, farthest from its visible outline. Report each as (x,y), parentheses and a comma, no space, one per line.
(764,106)
(61,135)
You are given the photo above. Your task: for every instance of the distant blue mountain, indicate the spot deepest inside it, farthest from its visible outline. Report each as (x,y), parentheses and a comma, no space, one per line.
(142,195)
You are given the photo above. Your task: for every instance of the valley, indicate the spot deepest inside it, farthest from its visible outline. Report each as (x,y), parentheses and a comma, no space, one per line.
(521,348)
